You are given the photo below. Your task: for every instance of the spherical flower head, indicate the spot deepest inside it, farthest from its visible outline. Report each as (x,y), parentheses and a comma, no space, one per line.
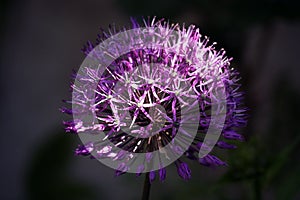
(154,95)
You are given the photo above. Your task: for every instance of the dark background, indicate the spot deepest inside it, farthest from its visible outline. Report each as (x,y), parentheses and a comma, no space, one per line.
(40,45)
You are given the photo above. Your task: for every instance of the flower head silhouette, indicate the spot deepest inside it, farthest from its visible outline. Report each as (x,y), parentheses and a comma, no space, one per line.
(179,87)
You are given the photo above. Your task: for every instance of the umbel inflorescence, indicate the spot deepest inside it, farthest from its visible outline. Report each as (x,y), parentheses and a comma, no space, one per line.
(153,95)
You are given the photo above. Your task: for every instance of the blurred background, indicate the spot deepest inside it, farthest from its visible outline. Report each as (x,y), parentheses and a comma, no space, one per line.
(40,45)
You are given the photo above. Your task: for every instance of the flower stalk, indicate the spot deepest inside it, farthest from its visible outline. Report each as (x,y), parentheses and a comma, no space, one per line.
(147,187)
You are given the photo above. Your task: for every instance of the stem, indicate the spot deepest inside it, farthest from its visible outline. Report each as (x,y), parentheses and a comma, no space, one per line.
(147,186)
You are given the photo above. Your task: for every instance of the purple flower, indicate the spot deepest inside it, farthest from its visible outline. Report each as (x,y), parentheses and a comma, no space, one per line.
(184,171)
(196,63)
(122,169)
(211,160)
(140,170)
(152,176)
(162,174)
(84,150)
